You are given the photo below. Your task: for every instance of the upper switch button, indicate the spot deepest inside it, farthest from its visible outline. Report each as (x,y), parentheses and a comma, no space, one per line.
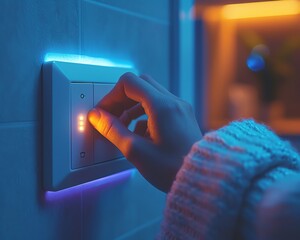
(103,149)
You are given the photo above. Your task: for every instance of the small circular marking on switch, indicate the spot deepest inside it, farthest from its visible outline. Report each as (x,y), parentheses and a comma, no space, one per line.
(82,154)
(82,96)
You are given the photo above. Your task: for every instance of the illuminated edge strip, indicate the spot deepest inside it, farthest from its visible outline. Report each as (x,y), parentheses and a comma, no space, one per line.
(261,9)
(101,182)
(82,59)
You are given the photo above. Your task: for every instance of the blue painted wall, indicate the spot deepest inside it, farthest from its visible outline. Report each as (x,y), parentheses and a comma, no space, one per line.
(129,30)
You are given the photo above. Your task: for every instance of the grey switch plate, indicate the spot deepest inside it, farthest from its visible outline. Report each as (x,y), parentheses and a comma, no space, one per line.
(69,142)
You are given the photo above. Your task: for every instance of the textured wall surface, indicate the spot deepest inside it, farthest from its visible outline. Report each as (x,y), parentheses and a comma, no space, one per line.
(129,30)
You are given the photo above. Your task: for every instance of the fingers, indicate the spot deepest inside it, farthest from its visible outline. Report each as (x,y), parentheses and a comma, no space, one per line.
(111,128)
(156,85)
(131,114)
(141,128)
(130,144)
(129,91)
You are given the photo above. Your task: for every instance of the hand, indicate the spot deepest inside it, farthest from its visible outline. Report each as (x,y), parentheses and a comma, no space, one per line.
(158,145)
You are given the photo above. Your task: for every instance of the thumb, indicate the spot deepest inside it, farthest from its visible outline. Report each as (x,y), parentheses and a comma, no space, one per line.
(111,128)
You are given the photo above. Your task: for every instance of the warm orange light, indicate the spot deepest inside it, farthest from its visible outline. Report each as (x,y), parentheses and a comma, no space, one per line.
(81,123)
(261,9)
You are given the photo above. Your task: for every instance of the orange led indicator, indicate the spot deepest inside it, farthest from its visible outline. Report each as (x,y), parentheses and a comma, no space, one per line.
(81,123)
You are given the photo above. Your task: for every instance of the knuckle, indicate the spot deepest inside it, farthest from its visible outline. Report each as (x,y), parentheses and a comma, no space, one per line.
(144,76)
(126,77)
(187,106)
(169,105)
(165,105)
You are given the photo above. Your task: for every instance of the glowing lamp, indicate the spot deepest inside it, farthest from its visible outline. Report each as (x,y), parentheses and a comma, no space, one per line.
(261,9)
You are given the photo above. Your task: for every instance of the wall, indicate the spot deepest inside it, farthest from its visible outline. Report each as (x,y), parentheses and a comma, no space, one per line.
(136,31)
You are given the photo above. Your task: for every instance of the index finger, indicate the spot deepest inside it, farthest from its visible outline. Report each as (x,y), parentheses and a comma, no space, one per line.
(129,91)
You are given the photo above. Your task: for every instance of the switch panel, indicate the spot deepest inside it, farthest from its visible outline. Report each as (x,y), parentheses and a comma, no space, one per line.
(73,151)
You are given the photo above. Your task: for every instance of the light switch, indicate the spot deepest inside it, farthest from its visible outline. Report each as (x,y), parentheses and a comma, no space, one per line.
(73,152)
(82,95)
(103,149)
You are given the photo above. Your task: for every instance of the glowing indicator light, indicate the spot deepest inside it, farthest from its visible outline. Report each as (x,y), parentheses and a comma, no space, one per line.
(81,123)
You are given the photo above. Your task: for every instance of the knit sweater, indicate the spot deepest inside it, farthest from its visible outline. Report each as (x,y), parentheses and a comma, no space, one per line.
(221,181)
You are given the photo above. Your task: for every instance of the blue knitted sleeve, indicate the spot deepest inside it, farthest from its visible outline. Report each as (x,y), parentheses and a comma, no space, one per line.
(222,180)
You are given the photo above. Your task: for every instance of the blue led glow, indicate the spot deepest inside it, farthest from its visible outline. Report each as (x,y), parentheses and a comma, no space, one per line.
(255,62)
(99,183)
(82,59)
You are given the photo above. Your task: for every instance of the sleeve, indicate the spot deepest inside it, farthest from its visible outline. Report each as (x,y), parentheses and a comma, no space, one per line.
(221,181)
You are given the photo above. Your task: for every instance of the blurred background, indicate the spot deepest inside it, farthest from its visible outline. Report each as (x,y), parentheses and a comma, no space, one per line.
(251,58)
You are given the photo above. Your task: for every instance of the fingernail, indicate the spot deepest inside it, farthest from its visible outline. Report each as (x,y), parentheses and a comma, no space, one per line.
(94,117)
